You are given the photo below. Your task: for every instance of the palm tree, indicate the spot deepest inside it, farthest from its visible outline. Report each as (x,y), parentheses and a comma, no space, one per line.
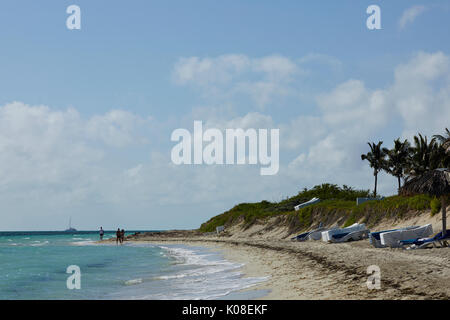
(424,156)
(443,152)
(397,159)
(440,158)
(376,158)
(444,140)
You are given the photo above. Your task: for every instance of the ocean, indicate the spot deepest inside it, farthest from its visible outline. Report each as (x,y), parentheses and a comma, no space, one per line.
(33,265)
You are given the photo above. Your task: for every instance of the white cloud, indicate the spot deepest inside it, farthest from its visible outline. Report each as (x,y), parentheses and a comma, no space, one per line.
(352,104)
(250,120)
(331,61)
(224,77)
(410,14)
(257,82)
(421,93)
(276,68)
(55,163)
(301,132)
(353,114)
(423,67)
(57,154)
(327,146)
(263,92)
(207,71)
(225,68)
(116,128)
(58,162)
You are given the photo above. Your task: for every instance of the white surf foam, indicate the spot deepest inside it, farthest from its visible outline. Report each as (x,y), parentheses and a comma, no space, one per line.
(39,244)
(211,276)
(85,243)
(133,282)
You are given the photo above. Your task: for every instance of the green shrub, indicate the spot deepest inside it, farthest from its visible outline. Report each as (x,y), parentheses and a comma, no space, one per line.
(351,220)
(305,217)
(435,205)
(335,202)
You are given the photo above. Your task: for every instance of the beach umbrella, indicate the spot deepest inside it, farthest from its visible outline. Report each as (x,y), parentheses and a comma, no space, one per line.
(435,183)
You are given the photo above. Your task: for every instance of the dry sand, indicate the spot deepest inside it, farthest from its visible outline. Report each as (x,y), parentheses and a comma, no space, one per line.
(317,270)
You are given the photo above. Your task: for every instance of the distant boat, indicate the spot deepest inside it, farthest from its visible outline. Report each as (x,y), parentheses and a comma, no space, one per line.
(70,227)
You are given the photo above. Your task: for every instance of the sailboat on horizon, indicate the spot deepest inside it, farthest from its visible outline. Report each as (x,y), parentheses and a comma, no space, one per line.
(70,227)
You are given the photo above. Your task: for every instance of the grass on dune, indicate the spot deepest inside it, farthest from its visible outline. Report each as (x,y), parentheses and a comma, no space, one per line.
(338,203)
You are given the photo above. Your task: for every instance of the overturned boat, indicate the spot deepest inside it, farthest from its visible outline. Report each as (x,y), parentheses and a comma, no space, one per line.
(352,233)
(375,240)
(393,238)
(307,203)
(315,234)
(351,236)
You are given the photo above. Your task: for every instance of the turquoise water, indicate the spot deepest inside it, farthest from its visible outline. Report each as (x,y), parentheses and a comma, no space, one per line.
(33,266)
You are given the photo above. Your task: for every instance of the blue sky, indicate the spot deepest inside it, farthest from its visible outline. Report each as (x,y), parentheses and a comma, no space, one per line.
(86,115)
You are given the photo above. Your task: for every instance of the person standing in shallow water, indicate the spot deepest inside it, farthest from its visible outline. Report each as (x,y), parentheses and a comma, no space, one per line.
(122,236)
(101,233)
(118,236)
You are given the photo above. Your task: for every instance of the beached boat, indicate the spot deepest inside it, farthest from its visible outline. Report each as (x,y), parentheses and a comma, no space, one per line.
(350,236)
(307,203)
(301,237)
(392,239)
(317,234)
(375,240)
(357,230)
(310,235)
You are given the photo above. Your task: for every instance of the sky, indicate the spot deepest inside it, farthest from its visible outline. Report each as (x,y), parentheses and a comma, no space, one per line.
(86,116)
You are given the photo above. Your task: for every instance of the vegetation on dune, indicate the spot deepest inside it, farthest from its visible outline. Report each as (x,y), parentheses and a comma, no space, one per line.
(338,205)
(372,212)
(435,206)
(346,213)
(405,161)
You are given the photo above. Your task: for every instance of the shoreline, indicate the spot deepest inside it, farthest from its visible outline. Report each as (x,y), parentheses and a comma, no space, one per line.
(288,278)
(317,270)
(248,269)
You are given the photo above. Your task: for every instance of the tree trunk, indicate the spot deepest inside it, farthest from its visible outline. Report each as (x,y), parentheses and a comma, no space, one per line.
(399,184)
(444,215)
(375,190)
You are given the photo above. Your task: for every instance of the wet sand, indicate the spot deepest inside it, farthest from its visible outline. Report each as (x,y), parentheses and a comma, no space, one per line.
(318,270)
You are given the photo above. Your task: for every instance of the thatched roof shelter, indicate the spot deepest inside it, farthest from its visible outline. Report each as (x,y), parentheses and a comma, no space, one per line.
(446,146)
(434,182)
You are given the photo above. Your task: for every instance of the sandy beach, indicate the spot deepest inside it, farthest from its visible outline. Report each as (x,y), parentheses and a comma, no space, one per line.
(318,270)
